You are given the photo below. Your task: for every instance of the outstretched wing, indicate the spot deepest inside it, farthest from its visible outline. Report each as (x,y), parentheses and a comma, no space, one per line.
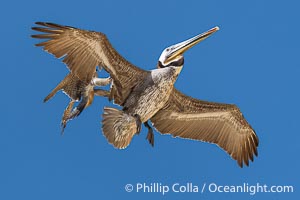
(222,124)
(84,50)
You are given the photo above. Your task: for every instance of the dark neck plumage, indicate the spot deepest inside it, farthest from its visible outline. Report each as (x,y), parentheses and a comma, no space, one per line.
(176,63)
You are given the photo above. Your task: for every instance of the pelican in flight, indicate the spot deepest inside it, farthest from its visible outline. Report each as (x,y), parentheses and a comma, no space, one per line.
(150,95)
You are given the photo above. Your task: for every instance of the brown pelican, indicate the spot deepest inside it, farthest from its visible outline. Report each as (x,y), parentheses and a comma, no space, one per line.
(78,90)
(150,95)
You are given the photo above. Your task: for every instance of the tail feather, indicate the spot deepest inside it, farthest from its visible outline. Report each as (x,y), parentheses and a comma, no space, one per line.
(55,90)
(118,127)
(52,93)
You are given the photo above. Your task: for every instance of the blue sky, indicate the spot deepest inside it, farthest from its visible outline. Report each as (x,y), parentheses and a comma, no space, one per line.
(253,61)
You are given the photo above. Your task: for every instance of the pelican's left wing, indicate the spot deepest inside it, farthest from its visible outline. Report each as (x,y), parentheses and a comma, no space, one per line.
(222,124)
(84,50)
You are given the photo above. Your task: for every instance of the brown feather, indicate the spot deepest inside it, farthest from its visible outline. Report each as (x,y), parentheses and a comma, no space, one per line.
(46,30)
(222,124)
(118,127)
(46,36)
(84,50)
(50,25)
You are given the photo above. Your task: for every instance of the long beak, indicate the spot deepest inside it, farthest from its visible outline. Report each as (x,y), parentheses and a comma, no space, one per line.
(180,48)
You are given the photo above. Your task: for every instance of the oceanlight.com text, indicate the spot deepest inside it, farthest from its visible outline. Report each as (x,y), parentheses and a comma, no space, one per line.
(189,187)
(251,189)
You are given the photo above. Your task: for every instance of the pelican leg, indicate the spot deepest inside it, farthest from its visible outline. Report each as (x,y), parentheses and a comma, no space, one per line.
(150,135)
(138,123)
(101,81)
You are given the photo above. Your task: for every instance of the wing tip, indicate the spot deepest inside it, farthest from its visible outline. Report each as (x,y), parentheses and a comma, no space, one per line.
(40,23)
(37,36)
(51,25)
(240,164)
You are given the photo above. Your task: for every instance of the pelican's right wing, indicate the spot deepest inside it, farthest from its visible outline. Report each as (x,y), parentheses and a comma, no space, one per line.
(222,124)
(84,50)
